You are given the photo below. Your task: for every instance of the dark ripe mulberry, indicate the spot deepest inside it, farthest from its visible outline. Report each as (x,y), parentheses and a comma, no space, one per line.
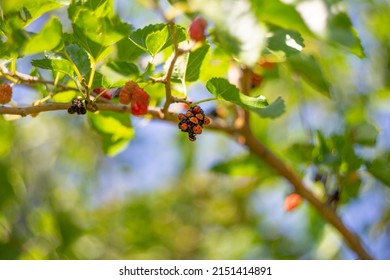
(71,110)
(192,122)
(77,107)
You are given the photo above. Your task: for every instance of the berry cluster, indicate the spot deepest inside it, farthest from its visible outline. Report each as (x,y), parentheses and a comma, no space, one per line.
(77,107)
(192,122)
(5,93)
(135,95)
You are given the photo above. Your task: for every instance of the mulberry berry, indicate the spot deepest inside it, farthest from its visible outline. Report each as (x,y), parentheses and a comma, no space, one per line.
(5,93)
(192,122)
(137,96)
(77,107)
(124,96)
(139,102)
(197,29)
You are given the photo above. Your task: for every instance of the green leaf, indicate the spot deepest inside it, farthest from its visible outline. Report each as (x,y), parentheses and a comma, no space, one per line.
(49,38)
(380,168)
(123,67)
(274,110)
(194,63)
(340,31)
(363,133)
(56,64)
(310,70)
(127,50)
(114,129)
(79,57)
(243,165)
(65,96)
(301,152)
(29,10)
(223,90)
(117,73)
(94,49)
(100,8)
(280,14)
(95,34)
(140,37)
(156,40)
(288,41)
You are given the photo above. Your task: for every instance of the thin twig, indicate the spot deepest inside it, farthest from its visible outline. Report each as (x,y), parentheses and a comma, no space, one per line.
(25,79)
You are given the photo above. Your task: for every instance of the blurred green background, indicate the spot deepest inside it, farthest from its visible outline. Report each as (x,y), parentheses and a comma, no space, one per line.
(167,198)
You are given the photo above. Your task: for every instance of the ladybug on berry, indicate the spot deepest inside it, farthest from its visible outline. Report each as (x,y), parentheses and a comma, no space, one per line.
(192,122)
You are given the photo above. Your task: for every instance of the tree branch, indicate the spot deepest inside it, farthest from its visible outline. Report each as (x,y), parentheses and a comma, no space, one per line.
(256,147)
(325,211)
(217,124)
(247,138)
(25,79)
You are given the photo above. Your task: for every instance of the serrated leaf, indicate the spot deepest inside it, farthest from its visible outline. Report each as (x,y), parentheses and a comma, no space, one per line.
(194,63)
(280,14)
(310,70)
(380,168)
(94,49)
(56,64)
(223,90)
(156,40)
(96,34)
(127,50)
(140,36)
(29,10)
(243,165)
(49,38)
(114,129)
(100,8)
(79,57)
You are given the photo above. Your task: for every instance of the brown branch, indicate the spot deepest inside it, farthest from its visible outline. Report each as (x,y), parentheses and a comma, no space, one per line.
(248,139)
(154,112)
(166,79)
(256,147)
(25,79)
